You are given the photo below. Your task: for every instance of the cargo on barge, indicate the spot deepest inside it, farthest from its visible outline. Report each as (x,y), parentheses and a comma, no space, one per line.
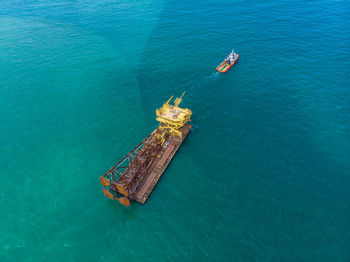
(136,174)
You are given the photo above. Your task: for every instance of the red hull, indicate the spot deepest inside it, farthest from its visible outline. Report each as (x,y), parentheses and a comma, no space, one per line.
(224,67)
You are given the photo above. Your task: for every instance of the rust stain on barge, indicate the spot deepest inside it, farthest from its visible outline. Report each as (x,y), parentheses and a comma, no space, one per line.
(136,174)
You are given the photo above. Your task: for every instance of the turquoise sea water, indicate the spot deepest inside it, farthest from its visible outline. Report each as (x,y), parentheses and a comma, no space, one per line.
(263,176)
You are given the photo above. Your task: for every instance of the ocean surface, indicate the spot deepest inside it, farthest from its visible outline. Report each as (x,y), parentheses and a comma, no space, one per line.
(263,176)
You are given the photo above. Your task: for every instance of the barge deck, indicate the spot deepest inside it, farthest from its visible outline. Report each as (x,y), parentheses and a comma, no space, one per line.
(159,166)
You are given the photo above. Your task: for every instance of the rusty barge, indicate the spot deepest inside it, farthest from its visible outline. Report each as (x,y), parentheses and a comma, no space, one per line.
(136,174)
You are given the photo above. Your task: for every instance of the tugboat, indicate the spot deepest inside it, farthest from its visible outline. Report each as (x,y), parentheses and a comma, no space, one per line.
(228,62)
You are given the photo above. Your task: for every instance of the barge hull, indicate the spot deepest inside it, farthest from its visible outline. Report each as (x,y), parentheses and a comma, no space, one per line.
(137,173)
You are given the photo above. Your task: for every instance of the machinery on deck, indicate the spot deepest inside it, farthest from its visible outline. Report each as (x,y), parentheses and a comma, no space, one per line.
(137,173)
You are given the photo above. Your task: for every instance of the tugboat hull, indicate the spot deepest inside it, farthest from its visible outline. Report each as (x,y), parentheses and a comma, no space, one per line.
(225,66)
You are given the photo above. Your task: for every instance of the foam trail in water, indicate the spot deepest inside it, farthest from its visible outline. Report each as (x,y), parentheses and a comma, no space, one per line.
(213,76)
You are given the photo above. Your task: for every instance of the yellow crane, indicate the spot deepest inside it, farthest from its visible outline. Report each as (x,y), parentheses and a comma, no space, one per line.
(172,118)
